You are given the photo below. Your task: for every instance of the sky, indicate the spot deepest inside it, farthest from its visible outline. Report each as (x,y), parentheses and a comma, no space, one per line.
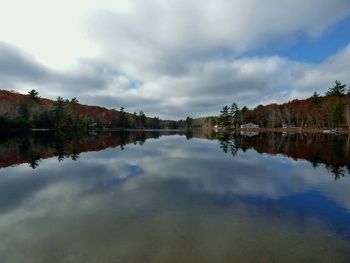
(174,59)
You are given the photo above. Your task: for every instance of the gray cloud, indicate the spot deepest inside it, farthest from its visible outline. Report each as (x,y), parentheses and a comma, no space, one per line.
(18,69)
(16,66)
(192,55)
(164,37)
(173,59)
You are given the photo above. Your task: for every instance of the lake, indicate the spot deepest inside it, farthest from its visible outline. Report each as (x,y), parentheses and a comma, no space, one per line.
(168,197)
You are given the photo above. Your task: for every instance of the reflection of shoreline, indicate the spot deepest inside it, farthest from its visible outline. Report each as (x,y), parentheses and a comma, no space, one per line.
(317,148)
(42,145)
(293,130)
(249,133)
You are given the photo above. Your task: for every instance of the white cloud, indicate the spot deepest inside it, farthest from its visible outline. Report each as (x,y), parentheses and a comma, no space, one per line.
(163,36)
(169,58)
(320,77)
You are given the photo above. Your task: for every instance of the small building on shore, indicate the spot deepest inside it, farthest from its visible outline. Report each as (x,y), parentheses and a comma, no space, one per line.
(249,126)
(217,127)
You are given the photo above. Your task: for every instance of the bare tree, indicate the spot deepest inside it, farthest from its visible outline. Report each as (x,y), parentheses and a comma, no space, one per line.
(287,115)
(347,114)
(272,117)
(279,114)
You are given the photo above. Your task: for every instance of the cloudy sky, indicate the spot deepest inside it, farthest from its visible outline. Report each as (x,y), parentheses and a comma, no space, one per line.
(174,58)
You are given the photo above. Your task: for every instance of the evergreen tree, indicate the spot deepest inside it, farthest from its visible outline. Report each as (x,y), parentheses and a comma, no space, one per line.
(135,119)
(244,109)
(34,95)
(189,121)
(74,101)
(241,114)
(155,123)
(315,98)
(235,114)
(142,118)
(337,113)
(338,89)
(23,111)
(74,112)
(124,122)
(225,117)
(59,113)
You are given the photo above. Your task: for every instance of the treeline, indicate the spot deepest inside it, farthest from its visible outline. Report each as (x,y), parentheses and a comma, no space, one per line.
(20,112)
(32,113)
(134,121)
(329,111)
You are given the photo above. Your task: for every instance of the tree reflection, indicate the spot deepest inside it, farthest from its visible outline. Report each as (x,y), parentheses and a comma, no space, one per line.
(36,146)
(74,156)
(228,143)
(189,134)
(317,148)
(34,162)
(331,150)
(337,171)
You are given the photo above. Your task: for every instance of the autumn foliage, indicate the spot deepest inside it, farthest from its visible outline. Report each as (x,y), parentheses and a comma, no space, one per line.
(19,111)
(329,111)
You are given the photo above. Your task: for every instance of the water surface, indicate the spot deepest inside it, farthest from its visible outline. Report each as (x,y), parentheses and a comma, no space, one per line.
(151,197)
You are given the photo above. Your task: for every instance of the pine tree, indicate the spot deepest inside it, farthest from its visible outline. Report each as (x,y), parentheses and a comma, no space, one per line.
(74,112)
(142,118)
(337,113)
(235,114)
(124,121)
(315,98)
(59,113)
(189,121)
(225,117)
(34,95)
(338,89)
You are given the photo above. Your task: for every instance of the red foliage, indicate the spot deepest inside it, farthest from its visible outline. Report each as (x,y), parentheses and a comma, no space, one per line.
(300,113)
(96,112)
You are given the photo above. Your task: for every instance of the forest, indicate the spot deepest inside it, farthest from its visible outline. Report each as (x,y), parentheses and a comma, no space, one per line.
(329,111)
(19,112)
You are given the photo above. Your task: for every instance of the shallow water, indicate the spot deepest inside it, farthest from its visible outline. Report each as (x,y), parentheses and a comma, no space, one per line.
(172,198)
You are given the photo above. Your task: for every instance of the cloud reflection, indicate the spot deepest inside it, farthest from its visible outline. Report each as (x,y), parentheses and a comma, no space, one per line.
(164,201)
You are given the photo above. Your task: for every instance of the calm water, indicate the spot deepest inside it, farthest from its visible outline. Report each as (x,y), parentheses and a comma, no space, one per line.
(143,197)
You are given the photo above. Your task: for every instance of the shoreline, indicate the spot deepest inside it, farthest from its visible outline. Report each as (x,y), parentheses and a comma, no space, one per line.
(295,130)
(289,130)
